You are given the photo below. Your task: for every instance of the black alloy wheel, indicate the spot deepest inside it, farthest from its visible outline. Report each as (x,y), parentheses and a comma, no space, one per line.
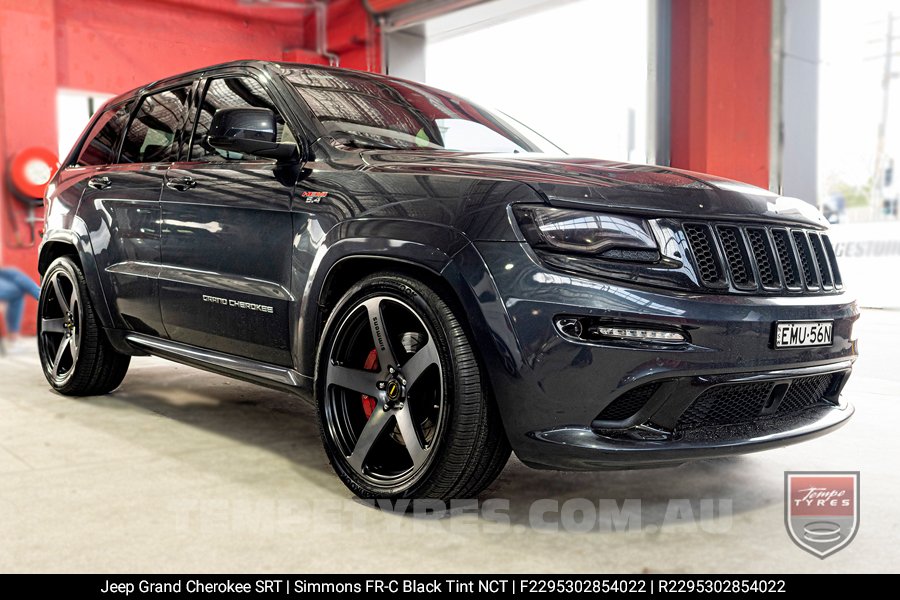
(60,327)
(403,410)
(76,356)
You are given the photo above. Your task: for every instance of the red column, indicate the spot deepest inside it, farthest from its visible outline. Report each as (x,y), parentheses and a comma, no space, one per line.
(721,65)
(353,35)
(27,118)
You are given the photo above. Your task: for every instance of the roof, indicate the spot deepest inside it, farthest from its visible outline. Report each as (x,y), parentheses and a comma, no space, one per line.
(262,64)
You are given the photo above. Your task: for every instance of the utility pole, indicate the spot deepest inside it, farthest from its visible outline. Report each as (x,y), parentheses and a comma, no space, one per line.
(881,161)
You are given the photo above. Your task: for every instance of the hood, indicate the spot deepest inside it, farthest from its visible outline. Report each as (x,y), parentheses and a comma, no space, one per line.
(608,185)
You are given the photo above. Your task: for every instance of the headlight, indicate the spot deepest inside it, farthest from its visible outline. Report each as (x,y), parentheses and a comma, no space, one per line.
(609,237)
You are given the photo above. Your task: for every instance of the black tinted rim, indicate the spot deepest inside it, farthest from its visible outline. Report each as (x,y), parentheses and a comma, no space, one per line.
(384,394)
(60,326)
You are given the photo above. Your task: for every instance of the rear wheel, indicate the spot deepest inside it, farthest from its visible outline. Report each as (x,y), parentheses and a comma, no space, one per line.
(76,357)
(403,408)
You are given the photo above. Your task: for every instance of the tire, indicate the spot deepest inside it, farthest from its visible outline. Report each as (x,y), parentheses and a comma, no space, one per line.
(76,357)
(395,364)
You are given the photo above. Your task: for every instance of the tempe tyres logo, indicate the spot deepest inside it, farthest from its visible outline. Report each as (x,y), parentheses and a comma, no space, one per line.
(821,509)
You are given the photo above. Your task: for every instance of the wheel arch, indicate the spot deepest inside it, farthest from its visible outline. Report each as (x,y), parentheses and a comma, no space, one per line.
(462,281)
(347,272)
(68,243)
(53,249)
(340,273)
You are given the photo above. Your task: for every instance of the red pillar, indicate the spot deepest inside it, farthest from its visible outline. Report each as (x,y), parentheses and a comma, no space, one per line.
(720,67)
(27,118)
(353,35)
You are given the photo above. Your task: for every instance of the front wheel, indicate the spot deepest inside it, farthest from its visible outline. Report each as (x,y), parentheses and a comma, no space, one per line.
(76,357)
(403,408)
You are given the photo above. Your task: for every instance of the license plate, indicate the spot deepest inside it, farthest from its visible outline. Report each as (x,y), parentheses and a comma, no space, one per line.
(799,334)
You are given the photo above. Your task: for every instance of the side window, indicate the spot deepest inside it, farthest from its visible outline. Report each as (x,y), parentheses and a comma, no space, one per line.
(231,92)
(100,145)
(151,135)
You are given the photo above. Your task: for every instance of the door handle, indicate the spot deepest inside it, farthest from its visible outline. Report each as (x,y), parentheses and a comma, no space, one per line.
(182,184)
(99,183)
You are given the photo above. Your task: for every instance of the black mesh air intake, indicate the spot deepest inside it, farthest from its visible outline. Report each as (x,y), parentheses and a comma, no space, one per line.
(628,404)
(740,403)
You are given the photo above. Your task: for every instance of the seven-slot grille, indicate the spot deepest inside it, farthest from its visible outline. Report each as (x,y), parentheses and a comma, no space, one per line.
(756,258)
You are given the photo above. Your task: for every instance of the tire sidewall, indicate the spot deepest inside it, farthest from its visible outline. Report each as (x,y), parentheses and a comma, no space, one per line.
(392,286)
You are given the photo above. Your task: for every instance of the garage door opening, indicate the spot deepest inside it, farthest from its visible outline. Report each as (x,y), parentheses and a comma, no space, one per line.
(520,58)
(74,108)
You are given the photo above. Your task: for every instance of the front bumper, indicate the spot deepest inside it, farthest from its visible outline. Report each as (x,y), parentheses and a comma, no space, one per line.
(575,448)
(551,390)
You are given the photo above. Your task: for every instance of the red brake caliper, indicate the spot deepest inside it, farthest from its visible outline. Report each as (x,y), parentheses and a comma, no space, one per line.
(368,402)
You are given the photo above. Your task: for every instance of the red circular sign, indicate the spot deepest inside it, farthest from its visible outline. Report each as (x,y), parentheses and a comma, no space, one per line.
(31,170)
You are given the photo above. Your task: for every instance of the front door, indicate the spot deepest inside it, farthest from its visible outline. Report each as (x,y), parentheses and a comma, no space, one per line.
(124,199)
(226,226)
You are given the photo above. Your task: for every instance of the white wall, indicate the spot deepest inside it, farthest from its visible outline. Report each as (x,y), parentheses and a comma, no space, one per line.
(73,111)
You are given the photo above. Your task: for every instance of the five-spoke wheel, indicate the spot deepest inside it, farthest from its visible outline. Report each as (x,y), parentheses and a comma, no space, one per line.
(60,326)
(384,391)
(402,408)
(77,358)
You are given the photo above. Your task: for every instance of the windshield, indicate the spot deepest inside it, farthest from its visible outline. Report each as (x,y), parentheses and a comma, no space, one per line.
(361,110)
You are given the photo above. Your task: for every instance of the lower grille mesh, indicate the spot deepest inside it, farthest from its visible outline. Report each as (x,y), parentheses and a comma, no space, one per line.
(726,405)
(804,393)
(738,403)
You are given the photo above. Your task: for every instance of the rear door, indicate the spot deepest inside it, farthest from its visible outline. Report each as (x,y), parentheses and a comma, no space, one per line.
(227,237)
(122,201)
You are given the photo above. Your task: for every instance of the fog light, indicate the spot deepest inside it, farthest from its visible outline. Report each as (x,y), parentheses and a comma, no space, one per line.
(570,327)
(593,329)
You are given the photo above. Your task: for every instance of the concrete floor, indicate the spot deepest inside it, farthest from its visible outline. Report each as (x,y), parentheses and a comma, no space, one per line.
(182,471)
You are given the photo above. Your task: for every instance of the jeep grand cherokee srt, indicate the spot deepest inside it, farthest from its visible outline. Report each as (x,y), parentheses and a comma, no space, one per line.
(443,282)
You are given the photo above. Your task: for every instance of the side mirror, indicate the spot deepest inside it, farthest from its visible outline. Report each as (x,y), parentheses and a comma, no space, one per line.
(248,131)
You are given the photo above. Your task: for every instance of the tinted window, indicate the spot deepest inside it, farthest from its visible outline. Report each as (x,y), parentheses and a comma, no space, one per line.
(365,111)
(151,135)
(231,92)
(100,145)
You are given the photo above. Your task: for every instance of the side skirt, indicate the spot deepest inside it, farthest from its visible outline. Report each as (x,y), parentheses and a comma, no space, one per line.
(237,367)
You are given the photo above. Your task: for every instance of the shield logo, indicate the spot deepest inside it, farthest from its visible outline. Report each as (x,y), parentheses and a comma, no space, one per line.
(821,509)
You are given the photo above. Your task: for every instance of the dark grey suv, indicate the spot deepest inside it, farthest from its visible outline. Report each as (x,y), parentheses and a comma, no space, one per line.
(446,283)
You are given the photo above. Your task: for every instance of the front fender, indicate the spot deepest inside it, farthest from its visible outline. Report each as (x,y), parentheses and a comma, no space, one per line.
(443,252)
(422,245)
